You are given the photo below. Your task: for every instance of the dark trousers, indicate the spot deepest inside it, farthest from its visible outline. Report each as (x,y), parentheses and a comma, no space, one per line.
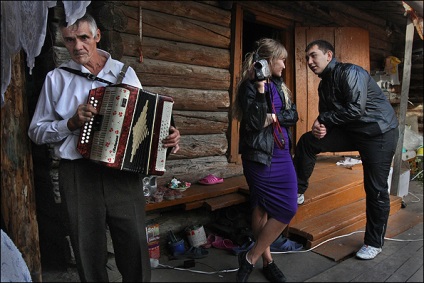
(376,156)
(96,197)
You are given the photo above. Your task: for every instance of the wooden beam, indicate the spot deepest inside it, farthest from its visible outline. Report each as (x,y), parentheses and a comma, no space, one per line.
(409,38)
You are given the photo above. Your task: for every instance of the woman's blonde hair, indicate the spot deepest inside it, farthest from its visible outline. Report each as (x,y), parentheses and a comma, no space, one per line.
(270,50)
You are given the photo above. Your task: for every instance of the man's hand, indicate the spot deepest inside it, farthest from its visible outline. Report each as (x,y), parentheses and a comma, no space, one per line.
(318,130)
(83,114)
(172,139)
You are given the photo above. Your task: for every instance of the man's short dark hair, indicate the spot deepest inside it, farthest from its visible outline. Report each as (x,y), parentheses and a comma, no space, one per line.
(323,45)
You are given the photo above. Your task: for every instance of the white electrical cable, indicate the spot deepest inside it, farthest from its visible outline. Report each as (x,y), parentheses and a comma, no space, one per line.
(304,251)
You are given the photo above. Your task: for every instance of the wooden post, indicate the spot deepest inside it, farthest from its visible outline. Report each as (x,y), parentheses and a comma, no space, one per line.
(17,187)
(397,163)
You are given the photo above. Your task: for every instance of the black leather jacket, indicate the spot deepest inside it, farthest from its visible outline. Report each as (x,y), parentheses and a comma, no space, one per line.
(256,141)
(350,98)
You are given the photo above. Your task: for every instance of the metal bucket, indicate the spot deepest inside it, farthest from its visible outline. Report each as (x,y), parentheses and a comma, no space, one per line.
(196,235)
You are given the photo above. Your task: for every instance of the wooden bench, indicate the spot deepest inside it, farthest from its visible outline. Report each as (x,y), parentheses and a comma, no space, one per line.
(232,191)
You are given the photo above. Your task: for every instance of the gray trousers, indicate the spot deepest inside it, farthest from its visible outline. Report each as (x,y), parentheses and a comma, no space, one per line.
(376,156)
(96,197)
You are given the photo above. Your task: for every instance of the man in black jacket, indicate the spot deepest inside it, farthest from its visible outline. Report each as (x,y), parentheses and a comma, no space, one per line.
(354,115)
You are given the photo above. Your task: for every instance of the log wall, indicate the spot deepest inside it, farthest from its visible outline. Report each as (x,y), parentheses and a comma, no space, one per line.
(182,49)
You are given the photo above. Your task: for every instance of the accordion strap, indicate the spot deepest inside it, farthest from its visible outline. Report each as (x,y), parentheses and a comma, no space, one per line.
(122,74)
(95,78)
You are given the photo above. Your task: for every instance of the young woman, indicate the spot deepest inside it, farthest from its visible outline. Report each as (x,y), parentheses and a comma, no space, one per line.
(265,111)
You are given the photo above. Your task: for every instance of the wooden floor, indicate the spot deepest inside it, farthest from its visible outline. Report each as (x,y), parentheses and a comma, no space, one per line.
(400,261)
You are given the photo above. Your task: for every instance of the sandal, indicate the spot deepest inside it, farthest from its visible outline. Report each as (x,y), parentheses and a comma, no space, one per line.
(245,247)
(283,244)
(225,244)
(176,184)
(193,253)
(211,180)
(210,240)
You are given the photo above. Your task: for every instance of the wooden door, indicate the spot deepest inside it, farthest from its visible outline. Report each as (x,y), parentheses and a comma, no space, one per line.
(351,46)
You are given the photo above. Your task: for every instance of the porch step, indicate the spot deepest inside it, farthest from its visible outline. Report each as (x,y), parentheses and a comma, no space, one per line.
(337,222)
(334,204)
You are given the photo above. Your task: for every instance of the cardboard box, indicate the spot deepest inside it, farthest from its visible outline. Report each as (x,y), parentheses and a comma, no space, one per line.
(152,234)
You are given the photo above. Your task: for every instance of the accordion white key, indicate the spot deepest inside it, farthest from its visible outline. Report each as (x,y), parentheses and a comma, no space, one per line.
(128,130)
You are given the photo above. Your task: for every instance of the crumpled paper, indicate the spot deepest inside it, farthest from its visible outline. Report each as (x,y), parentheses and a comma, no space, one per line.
(348,162)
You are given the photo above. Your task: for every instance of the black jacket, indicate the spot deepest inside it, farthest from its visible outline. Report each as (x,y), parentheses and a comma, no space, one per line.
(256,141)
(350,98)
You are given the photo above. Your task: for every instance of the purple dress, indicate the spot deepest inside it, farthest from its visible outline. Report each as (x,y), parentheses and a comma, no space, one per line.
(274,188)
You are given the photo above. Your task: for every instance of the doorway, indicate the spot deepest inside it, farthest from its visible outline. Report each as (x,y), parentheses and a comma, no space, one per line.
(250,26)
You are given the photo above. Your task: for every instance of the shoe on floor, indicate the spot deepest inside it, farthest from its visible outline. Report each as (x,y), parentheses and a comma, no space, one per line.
(300,198)
(273,273)
(245,268)
(368,252)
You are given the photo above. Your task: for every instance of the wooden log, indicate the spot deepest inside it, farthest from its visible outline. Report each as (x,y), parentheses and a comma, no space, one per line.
(17,194)
(192,170)
(195,99)
(201,123)
(180,52)
(184,30)
(111,41)
(111,17)
(191,10)
(169,74)
(195,146)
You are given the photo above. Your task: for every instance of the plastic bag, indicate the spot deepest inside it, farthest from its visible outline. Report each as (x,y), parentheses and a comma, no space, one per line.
(412,140)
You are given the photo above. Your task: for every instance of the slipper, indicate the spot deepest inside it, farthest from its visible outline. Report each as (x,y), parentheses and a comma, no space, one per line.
(283,244)
(211,239)
(245,247)
(176,184)
(193,253)
(211,180)
(225,244)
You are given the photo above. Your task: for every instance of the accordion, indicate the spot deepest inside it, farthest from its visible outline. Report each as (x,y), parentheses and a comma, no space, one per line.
(128,130)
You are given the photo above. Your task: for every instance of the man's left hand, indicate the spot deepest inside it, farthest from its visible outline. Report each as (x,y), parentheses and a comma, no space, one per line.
(172,139)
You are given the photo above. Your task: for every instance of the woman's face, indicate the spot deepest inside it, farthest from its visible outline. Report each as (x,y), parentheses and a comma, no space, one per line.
(277,67)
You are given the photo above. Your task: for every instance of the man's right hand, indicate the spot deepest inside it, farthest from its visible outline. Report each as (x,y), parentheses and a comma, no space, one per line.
(83,114)
(318,130)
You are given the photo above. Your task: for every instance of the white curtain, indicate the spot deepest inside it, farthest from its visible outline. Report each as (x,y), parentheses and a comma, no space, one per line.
(23,26)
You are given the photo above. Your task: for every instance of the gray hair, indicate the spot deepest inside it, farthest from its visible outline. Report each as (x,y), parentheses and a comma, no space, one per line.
(86,18)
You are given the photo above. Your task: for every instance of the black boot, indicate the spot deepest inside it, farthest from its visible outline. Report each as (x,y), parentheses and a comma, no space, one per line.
(245,268)
(273,273)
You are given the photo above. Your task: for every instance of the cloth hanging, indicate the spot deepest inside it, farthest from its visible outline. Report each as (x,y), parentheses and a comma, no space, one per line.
(23,26)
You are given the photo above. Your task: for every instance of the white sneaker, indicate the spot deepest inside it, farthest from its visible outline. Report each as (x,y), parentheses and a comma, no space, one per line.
(368,252)
(300,198)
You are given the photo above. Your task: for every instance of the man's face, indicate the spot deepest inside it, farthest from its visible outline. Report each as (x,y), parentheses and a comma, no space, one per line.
(80,42)
(317,60)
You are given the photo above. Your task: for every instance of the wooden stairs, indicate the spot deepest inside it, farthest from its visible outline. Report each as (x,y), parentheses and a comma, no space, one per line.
(334,203)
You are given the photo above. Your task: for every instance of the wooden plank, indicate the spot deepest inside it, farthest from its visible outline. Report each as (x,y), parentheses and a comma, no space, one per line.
(397,161)
(200,192)
(236,48)
(337,222)
(225,201)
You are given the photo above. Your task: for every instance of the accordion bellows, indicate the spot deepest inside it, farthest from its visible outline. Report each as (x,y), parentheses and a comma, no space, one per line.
(128,130)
